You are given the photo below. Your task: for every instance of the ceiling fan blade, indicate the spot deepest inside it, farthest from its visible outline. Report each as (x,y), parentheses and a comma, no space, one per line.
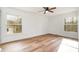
(45,7)
(52,8)
(51,11)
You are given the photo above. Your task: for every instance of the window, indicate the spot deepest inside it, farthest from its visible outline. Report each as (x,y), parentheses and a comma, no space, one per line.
(70,24)
(14,24)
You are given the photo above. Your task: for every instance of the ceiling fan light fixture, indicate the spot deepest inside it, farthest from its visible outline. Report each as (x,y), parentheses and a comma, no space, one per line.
(48,9)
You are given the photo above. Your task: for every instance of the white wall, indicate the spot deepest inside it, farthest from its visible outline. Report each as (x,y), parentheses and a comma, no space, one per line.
(33,25)
(56,25)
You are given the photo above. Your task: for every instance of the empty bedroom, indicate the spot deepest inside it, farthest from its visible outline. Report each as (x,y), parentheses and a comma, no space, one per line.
(39,29)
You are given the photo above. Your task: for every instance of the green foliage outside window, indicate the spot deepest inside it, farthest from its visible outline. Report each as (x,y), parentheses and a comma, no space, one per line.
(14,24)
(70,24)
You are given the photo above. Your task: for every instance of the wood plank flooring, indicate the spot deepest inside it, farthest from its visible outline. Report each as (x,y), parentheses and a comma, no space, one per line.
(42,43)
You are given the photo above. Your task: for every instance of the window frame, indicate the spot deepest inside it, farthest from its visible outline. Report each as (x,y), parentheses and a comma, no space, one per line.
(15,25)
(71,25)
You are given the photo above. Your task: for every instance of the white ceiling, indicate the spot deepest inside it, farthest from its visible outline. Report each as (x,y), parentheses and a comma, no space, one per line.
(38,10)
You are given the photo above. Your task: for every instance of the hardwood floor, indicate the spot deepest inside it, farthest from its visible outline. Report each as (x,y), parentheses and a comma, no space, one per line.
(43,43)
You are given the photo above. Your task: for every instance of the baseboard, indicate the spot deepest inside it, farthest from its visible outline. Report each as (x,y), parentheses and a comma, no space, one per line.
(65,37)
(38,36)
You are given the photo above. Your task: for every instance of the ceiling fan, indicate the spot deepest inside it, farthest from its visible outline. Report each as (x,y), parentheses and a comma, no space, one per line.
(49,9)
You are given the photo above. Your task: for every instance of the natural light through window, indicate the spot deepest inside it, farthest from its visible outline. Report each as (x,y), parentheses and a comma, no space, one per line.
(70,24)
(14,24)
(68,45)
